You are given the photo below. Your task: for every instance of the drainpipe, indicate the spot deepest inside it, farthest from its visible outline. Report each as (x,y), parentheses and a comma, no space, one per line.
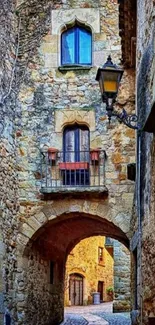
(139,138)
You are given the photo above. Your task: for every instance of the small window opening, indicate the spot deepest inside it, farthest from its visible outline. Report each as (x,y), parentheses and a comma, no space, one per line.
(100,254)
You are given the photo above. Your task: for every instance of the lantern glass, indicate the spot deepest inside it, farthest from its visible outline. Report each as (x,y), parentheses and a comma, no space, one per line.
(109,77)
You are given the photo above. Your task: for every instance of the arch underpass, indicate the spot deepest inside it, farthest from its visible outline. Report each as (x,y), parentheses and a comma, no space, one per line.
(43,246)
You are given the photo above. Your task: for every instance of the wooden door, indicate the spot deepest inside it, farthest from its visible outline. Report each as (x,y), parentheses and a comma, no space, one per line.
(100,289)
(76,290)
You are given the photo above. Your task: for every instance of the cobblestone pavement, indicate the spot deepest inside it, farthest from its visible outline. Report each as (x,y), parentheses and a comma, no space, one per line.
(83,315)
(115,319)
(94,315)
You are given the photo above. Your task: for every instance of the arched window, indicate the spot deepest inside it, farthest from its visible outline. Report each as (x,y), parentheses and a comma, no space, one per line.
(76,46)
(76,155)
(76,143)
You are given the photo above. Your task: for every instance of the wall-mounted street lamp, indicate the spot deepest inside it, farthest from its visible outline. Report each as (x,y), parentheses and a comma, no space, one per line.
(109,77)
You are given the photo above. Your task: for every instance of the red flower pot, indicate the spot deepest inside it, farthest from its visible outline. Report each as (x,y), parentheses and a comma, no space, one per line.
(73,165)
(52,153)
(95,155)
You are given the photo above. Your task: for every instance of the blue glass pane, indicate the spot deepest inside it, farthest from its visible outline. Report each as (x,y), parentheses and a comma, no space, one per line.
(85,46)
(68,47)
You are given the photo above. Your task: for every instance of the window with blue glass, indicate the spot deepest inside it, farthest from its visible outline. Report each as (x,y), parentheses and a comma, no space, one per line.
(76,46)
(76,155)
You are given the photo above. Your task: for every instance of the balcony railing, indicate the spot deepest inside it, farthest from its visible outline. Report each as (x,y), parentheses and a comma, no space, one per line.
(72,169)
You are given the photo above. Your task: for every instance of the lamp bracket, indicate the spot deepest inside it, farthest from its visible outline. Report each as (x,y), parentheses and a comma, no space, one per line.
(130,120)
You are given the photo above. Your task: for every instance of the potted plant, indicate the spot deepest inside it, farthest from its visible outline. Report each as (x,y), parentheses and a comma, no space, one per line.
(52,153)
(95,155)
(110,292)
(74,165)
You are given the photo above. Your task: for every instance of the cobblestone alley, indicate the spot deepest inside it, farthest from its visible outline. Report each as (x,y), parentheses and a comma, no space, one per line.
(95,315)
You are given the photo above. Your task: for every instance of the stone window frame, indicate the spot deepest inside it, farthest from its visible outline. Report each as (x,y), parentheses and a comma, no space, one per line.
(74,26)
(63,28)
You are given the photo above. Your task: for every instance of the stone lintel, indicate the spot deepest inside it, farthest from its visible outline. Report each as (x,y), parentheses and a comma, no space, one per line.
(88,16)
(80,193)
(69,116)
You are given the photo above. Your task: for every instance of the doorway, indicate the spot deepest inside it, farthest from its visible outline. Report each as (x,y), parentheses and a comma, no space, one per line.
(76,289)
(100,289)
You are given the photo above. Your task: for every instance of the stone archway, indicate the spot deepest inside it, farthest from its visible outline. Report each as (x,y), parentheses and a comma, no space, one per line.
(45,241)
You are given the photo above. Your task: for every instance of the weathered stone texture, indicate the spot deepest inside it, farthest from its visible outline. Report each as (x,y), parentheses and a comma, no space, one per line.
(145,96)
(42,298)
(121,278)
(8,175)
(46,90)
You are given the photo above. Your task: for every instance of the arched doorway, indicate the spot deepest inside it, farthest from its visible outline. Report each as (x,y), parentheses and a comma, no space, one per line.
(76,289)
(44,244)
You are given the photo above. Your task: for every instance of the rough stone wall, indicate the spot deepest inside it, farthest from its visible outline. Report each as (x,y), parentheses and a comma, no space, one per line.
(122,271)
(8,176)
(46,90)
(145,98)
(43,296)
(84,260)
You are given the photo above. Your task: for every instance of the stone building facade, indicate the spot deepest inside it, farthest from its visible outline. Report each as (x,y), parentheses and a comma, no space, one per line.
(53,218)
(99,273)
(94,263)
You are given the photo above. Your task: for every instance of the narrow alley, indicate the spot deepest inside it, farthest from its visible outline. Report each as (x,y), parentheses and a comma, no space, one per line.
(95,315)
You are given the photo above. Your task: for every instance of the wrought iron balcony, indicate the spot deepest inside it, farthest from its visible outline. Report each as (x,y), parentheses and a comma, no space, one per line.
(72,171)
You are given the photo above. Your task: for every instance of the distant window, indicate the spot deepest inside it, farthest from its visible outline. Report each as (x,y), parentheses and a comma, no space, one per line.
(76,46)
(100,254)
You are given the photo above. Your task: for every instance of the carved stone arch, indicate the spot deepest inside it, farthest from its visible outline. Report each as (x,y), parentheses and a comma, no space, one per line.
(77,271)
(70,116)
(53,213)
(86,16)
(72,23)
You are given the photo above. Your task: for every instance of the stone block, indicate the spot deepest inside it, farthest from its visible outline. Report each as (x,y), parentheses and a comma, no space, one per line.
(100,58)
(41,217)
(33,222)
(22,239)
(27,230)
(47,48)
(100,37)
(50,60)
(99,45)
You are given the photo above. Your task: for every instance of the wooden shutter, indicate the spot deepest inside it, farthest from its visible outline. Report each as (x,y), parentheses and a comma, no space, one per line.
(69,145)
(84,144)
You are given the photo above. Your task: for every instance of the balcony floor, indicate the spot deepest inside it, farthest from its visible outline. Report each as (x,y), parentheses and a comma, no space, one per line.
(78,192)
